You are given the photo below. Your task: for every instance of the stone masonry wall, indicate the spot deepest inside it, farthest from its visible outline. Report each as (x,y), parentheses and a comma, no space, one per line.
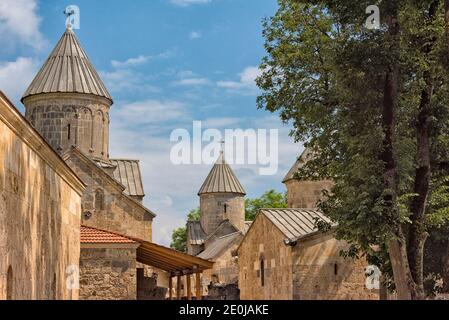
(264,244)
(305,194)
(118,213)
(224,271)
(39,221)
(213,213)
(108,274)
(71,119)
(320,273)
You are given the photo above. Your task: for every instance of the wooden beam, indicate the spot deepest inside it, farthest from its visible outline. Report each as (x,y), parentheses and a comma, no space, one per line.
(170,287)
(198,285)
(189,287)
(178,287)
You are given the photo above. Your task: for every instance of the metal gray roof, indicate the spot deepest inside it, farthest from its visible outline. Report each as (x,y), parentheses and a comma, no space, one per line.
(127,172)
(295,223)
(195,233)
(67,70)
(221,179)
(218,246)
(306,155)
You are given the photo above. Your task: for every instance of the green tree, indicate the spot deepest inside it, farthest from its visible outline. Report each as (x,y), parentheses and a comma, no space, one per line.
(373,106)
(270,199)
(179,235)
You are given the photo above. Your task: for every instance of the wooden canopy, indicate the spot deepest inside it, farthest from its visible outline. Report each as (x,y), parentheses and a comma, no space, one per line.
(170,260)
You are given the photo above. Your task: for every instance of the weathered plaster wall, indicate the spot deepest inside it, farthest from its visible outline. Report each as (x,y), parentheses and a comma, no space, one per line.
(108,273)
(213,212)
(40,214)
(320,273)
(118,213)
(264,242)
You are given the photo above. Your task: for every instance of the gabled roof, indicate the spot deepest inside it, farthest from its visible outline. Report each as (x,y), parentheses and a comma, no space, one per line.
(224,228)
(93,235)
(217,247)
(221,179)
(195,233)
(295,224)
(74,151)
(305,156)
(67,70)
(127,172)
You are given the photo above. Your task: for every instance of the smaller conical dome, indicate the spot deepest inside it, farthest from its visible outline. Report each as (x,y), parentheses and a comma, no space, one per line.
(67,70)
(221,179)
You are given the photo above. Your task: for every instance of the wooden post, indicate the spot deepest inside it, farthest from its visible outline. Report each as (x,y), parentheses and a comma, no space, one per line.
(178,287)
(170,287)
(198,285)
(189,287)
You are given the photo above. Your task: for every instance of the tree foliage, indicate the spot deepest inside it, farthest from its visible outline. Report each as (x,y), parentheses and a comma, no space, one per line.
(373,105)
(179,235)
(270,199)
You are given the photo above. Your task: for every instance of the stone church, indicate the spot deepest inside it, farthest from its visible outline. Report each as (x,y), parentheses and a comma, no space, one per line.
(284,256)
(65,204)
(221,227)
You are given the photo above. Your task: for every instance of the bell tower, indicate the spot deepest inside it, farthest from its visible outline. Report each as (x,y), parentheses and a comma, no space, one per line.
(68,103)
(221,197)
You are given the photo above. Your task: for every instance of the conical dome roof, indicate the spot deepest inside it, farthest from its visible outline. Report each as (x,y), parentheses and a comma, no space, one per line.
(67,70)
(221,179)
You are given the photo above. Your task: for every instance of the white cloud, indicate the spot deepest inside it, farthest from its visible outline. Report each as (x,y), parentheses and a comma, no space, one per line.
(186,3)
(19,24)
(16,76)
(192,82)
(247,81)
(221,122)
(130,62)
(195,35)
(127,80)
(149,112)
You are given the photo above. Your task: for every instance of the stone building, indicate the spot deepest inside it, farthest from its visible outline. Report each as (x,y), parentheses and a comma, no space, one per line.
(221,227)
(284,256)
(40,210)
(68,104)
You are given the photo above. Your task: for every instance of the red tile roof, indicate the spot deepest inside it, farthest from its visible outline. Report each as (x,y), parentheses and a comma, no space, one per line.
(93,235)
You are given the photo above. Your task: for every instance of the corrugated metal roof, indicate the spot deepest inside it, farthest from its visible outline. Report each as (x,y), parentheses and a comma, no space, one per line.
(305,156)
(295,223)
(93,235)
(218,246)
(127,173)
(221,179)
(195,233)
(67,70)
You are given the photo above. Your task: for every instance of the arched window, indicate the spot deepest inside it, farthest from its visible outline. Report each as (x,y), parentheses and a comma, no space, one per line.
(9,284)
(99,200)
(262,272)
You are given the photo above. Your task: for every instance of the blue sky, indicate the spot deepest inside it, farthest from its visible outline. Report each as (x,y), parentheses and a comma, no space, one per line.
(166,63)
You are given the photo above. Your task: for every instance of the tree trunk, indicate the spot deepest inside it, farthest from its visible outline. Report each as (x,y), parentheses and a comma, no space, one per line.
(417,232)
(405,286)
